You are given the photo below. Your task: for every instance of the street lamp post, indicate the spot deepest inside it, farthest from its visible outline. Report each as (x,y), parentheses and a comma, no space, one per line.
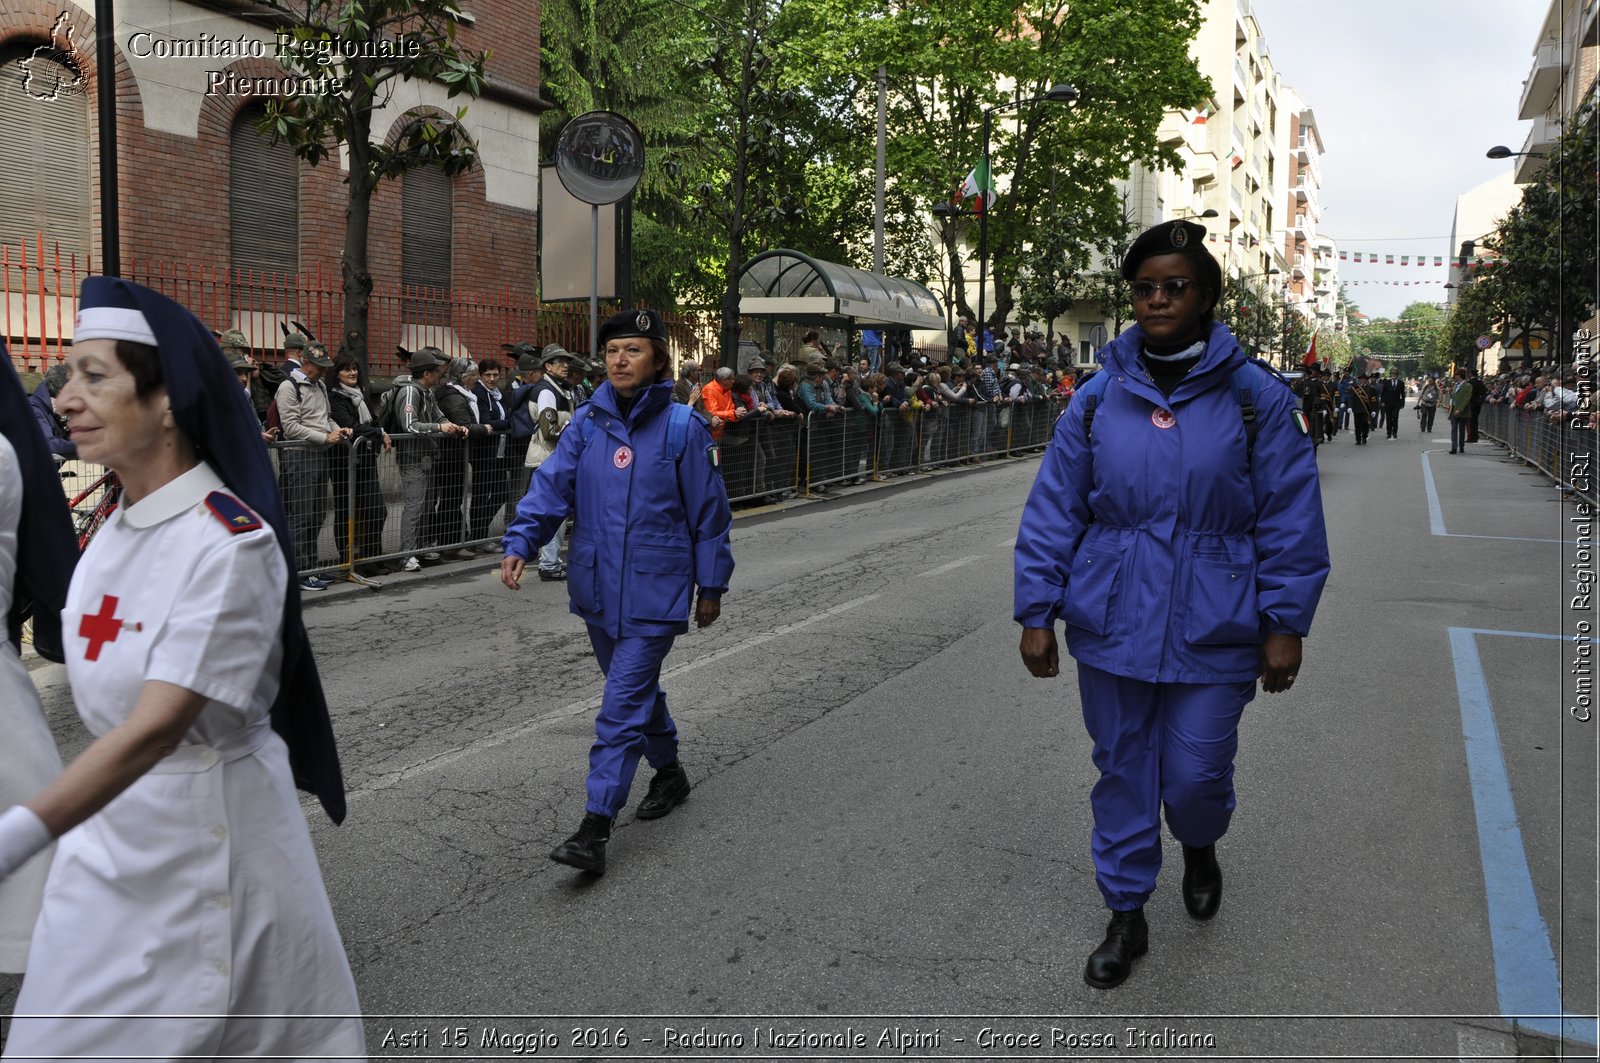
(1060,92)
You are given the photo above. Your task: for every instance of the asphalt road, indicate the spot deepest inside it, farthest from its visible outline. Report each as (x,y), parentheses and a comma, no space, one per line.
(889,826)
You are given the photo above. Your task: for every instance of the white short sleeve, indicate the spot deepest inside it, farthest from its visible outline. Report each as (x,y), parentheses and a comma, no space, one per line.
(226,622)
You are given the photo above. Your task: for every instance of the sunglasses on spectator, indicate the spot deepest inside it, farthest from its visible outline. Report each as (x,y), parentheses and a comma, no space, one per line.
(1173,289)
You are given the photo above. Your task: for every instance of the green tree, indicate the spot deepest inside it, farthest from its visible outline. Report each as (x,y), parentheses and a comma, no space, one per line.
(421,40)
(1545,283)
(592,64)
(1473,314)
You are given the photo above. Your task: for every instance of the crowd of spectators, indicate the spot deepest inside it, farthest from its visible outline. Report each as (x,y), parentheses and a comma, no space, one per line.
(865,419)
(449,422)
(1553,394)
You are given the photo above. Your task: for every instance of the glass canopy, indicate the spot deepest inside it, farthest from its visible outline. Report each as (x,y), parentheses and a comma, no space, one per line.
(796,287)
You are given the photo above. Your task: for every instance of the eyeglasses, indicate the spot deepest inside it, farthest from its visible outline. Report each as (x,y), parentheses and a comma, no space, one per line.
(1172,289)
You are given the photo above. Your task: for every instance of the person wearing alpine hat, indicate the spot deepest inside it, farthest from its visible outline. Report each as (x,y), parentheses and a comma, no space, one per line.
(553,410)
(1178,531)
(184,889)
(640,473)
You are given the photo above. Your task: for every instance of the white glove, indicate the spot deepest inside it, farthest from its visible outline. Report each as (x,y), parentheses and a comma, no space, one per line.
(23,835)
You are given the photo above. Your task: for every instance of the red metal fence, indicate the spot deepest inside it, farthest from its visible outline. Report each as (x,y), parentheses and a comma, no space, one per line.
(39,296)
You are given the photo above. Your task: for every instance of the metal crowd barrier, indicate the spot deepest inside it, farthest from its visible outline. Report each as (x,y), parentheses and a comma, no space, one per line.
(353,507)
(1560,450)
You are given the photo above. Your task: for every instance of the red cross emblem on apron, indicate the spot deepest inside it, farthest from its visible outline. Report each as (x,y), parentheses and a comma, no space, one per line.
(100,628)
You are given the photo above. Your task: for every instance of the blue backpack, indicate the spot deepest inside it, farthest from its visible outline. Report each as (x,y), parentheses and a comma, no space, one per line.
(1244,381)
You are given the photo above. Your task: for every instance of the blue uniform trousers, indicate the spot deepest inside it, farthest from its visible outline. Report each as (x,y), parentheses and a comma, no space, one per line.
(1156,744)
(633,717)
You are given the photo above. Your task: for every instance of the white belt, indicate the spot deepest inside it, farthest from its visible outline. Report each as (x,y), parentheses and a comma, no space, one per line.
(194,757)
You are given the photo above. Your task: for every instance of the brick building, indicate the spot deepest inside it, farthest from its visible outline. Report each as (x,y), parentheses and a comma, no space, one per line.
(234,226)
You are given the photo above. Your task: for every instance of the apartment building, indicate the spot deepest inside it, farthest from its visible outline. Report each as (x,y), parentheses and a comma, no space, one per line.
(1566,58)
(1250,174)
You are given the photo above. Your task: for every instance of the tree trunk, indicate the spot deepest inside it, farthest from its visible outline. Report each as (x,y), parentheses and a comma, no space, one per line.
(356,277)
(736,226)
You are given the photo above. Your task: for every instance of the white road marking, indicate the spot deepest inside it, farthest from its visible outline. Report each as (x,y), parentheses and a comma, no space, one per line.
(434,763)
(957,563)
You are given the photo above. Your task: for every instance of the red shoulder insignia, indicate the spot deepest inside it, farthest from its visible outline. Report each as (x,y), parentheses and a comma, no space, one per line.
(234,514)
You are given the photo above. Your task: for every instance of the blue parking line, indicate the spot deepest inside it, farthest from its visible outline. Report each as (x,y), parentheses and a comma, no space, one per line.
(1526,977)
(1436,514)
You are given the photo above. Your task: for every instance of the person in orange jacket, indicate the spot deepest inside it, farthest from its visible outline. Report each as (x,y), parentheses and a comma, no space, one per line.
(718,397)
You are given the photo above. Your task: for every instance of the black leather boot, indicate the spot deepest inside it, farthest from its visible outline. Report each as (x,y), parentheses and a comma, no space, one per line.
(668,790)
(1127,937)
(1202,881)
(586,850)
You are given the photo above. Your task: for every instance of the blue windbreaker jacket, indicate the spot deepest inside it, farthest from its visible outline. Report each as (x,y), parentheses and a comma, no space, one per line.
(647,531)
(1166,550)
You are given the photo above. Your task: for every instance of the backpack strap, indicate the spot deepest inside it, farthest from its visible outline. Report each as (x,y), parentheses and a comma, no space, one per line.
(678,418)
(1244,390)
(1090,393)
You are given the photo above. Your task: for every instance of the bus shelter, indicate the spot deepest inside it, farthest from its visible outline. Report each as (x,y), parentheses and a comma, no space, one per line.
(791,286)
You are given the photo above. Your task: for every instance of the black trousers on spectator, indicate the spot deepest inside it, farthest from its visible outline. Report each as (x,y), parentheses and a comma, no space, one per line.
(303,479)
(448,489)
(1425,417)
(489,490)
(370,510)
(738,450)
(1472,425)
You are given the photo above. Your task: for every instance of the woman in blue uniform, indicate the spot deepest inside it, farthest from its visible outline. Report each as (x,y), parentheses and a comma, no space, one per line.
(1177,529)
(641,475)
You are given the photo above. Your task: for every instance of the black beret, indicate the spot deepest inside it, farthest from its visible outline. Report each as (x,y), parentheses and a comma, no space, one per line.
(646,323)
(1170,237)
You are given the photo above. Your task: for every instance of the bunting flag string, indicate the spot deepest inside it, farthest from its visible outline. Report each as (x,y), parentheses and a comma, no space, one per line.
(1379,258)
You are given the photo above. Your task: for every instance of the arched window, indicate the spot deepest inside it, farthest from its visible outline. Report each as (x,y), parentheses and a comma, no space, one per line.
(263,205)
(44,142)
(425,239)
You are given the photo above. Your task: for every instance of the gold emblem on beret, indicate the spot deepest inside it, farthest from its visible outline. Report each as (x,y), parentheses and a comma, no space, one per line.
(1180,235)
(642,322)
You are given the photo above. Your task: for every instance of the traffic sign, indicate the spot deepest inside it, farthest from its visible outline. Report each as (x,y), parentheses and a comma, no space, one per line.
(1484,343)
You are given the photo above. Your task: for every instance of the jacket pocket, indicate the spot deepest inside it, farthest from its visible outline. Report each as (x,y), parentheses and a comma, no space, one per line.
(660,579)
(583,576)
(1222,603)
(1091,586)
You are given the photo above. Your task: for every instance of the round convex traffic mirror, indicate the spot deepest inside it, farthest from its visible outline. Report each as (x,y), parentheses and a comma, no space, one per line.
(599,157)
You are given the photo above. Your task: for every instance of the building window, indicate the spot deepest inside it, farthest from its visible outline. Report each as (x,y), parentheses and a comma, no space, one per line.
(44,186)
(427,219)
(263,214)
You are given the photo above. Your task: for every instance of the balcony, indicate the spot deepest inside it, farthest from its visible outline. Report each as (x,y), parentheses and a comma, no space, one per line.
(1544,80)
(1542,139)
(1241,81)
(1202,169)
(1170,133)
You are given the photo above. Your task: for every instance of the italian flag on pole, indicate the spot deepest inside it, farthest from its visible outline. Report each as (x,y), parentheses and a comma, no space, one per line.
(979,185)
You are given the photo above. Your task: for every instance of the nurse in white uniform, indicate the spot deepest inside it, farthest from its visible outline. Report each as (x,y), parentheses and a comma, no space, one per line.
(185,914)
(37,552)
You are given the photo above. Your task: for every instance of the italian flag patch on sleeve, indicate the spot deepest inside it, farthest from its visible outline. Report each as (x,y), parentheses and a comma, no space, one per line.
(1302,422)
(714,456)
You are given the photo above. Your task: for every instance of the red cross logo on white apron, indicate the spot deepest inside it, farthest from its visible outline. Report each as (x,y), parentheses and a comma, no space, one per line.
(100,628)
